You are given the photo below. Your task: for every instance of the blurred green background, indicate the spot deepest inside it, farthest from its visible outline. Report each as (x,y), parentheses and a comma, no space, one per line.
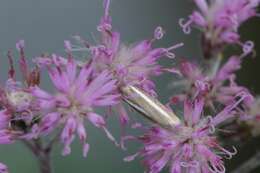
(45,24)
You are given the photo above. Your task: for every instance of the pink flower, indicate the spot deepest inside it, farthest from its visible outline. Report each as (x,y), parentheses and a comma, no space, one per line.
(250,114)
(219,20)
(3,168)
(77,94)
(132,64)
(189,147)
(15,96)
(18,108)
(215,87)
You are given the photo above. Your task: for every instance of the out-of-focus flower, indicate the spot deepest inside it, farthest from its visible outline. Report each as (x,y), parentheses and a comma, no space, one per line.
(219,20)
(217,87)
(77,94)
(3,168)
(250,115)
(188,147)
(15,95)
(17,104)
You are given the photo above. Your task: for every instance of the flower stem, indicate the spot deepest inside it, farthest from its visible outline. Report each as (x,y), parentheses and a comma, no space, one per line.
(212,65)
(41,153)
(45,163)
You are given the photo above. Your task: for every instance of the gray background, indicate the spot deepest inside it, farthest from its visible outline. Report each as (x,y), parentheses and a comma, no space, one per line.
(45,24)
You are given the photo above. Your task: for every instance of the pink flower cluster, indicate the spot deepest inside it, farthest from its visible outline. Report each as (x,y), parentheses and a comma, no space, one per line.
(190,146)
(219,21)
(217,86)
(30,112)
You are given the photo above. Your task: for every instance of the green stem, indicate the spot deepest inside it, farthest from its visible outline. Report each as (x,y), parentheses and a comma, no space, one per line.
(212,65)
(216,64)
(42,154)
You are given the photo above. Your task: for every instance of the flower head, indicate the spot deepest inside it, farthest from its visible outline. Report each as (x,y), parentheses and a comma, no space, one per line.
(77,94)
(216,87)
(16,103)
(18,109)
(250,115)
(190,146)
(133,64)
(220,19)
